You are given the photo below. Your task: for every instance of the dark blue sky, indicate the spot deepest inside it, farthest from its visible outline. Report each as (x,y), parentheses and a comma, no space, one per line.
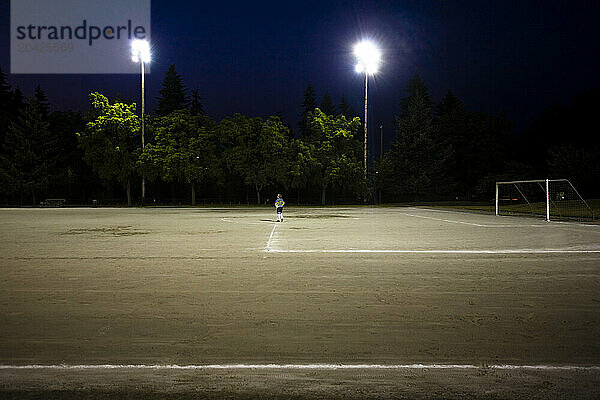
(257,57)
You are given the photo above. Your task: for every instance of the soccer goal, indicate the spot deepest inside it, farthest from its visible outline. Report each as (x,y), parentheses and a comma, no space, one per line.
(549,198)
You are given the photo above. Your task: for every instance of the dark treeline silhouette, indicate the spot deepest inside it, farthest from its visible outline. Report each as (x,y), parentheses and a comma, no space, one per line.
(441,151)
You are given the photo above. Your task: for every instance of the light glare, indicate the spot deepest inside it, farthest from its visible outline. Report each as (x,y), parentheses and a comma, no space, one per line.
(140,51)
(369,57)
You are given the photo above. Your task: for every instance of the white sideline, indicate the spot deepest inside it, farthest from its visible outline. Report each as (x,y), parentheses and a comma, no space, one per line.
(295,366)
(443,251)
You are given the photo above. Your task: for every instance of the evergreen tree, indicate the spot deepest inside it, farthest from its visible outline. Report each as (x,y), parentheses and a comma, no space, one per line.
(346,109)
(327,105)
(478,149)
(71,169)
(5,94)
(18,102)
(450,104)
(30,153)
(416,89)
(172,95)
(309,103)
(195,105)
(452,125)
(413,168)
(42,101)
(6,104)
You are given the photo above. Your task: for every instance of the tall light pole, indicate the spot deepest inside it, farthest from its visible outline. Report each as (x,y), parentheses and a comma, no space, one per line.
(368,59)
(140,52)
(380,154)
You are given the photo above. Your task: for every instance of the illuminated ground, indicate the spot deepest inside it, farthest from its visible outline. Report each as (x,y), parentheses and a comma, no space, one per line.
(378,287)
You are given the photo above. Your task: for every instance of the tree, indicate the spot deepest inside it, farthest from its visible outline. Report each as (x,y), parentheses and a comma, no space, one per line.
(18,102)
(346,109)
(478,149)
(184,149)
(416,88)
(42,101)
(450,104)
(580,165)
(110,141)
(335,152)
(172,94)
(567,124)
(414,167)
(327,105)
(256,150)
(5,93)
(302,165)
(195,105)
(30,153)
(452,125)
(309,103)
(71,169)
(6,104)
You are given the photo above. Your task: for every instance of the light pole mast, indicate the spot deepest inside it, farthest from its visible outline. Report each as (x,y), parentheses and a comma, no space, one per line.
(368,59)
(380,142)
(365,144)
(143,125)
(140,52)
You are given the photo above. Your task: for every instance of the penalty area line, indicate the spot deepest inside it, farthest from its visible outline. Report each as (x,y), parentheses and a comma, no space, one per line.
(296,367)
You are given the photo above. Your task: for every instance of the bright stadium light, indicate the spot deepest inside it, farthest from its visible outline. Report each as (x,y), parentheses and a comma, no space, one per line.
(140,52)
(368,58)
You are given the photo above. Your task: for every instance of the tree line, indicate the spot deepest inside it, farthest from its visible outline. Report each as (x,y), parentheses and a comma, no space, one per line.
(441,151)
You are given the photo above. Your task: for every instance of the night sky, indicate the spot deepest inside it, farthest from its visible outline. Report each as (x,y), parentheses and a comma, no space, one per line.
(256,58)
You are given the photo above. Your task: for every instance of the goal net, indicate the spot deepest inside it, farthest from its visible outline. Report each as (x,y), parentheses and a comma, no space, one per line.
(553,199)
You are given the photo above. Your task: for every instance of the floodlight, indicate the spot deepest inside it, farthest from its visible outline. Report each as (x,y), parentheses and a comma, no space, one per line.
(140,51)
(368,56)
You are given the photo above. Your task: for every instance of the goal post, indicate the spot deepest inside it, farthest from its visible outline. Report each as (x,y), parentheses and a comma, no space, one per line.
(548,198)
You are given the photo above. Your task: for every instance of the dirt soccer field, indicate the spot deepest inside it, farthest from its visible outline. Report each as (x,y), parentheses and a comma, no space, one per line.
(332,303)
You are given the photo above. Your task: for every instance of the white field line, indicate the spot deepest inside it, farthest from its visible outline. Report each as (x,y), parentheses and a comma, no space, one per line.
(230,220)
(569,223)
(294,366)
(443,251)
(268,246)
(474,224)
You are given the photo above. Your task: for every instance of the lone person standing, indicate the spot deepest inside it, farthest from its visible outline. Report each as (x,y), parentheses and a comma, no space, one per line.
(279,207)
